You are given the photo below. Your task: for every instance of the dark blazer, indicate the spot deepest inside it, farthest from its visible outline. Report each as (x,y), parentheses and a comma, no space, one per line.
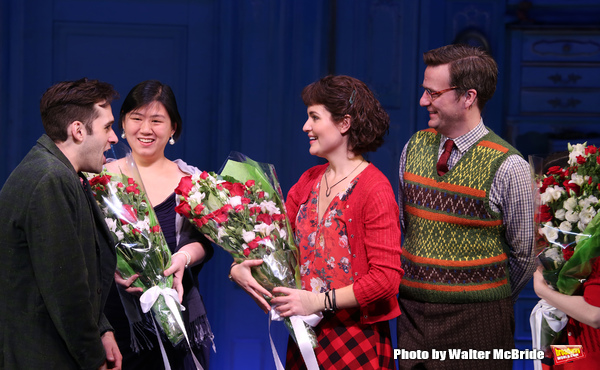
(57,262)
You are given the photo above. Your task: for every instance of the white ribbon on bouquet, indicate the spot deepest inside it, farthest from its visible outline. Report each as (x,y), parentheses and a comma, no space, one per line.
(302,338)
(555,318)
(172,299)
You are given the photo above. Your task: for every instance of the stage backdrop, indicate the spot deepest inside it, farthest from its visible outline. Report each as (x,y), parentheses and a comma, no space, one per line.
(237,68)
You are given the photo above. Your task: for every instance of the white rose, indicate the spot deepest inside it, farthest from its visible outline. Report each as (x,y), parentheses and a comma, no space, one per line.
(119,235)
(221,233)
(572,216)
(570,204)
(577,179)
(264,229)
(111,223)
(565,226)
(576,151)
(550,232)
(197,197)
(587,215)
(235,201)
(589,201)
(269,206)
(248,236)
(560,214)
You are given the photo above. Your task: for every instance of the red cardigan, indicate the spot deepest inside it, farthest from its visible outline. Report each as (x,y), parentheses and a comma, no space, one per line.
(373,226)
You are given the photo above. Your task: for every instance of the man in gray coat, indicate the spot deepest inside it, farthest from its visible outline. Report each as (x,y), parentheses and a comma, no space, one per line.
(57,259)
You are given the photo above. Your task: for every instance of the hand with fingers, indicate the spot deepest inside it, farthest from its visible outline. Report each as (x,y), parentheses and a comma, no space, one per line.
(126,283)
(177,269)
(289,302)
(241,274)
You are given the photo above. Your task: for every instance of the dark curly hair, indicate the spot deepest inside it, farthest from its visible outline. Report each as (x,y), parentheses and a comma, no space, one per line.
(345,95)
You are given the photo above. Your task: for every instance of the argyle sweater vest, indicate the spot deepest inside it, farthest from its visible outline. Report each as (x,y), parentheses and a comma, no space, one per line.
(454,249)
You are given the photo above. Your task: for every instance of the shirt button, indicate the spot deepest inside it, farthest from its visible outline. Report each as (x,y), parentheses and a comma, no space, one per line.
(366,316)
(570,333)
(354,255)
(99,290)
(352,236)
(356,274)
(347,206)
(350,220)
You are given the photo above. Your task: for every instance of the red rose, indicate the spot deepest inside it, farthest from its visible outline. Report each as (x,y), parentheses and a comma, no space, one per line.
(545,213)
(245,200)
(239,208)
(225,185)
(253,244)
(120,185)
(202,221)
(568,252)
(198,209)
(590,150)
(155,228)
(250,183)
(264,217)
(261,194)
(132,189)
(571,186)
(278,217)
(598,159)
(555,170)
(580,159)
(184,187)
(131,181)
(237,189)
(204,175)
(247,252)
(183,208)
(254,210)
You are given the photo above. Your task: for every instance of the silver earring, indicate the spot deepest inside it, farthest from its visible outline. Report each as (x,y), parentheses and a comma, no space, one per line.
(171,140)
(123,135)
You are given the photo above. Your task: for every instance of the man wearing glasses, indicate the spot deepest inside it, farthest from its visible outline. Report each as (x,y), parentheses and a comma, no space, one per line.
(467,221)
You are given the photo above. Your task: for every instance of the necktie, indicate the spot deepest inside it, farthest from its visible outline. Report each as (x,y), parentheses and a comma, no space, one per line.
(442,165)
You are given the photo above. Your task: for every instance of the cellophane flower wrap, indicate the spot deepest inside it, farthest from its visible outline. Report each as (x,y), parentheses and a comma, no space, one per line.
(242,210)
(141,247)
(569,224)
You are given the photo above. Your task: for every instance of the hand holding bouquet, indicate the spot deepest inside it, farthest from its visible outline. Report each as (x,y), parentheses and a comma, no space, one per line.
(569,234)
(141,246)
(242,210)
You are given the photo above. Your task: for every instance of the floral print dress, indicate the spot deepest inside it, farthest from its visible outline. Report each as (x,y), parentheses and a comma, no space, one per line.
(325,264)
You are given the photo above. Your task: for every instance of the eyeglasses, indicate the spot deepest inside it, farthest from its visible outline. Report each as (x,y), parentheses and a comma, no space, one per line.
(436,94)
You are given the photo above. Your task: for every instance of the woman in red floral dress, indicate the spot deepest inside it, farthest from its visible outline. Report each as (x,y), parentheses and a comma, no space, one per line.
(345,218)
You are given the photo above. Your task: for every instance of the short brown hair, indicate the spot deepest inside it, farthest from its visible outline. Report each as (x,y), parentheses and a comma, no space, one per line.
(470,68)
(69,101)
(345,95)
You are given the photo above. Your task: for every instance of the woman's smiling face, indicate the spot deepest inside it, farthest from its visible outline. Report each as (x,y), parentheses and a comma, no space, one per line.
(148,129)
(324,135)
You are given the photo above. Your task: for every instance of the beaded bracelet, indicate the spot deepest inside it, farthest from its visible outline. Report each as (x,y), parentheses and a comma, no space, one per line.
(187,256)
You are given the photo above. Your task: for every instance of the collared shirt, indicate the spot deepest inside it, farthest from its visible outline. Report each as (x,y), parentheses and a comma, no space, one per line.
(511,194)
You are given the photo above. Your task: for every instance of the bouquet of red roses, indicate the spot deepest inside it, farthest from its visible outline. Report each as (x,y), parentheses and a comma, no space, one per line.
(569,232)
(140,244)
(242,211)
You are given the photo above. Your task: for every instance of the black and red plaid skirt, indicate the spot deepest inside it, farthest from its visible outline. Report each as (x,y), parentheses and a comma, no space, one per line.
(345,343)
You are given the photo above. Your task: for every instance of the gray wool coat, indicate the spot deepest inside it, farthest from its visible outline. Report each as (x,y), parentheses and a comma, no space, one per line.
(57,261)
